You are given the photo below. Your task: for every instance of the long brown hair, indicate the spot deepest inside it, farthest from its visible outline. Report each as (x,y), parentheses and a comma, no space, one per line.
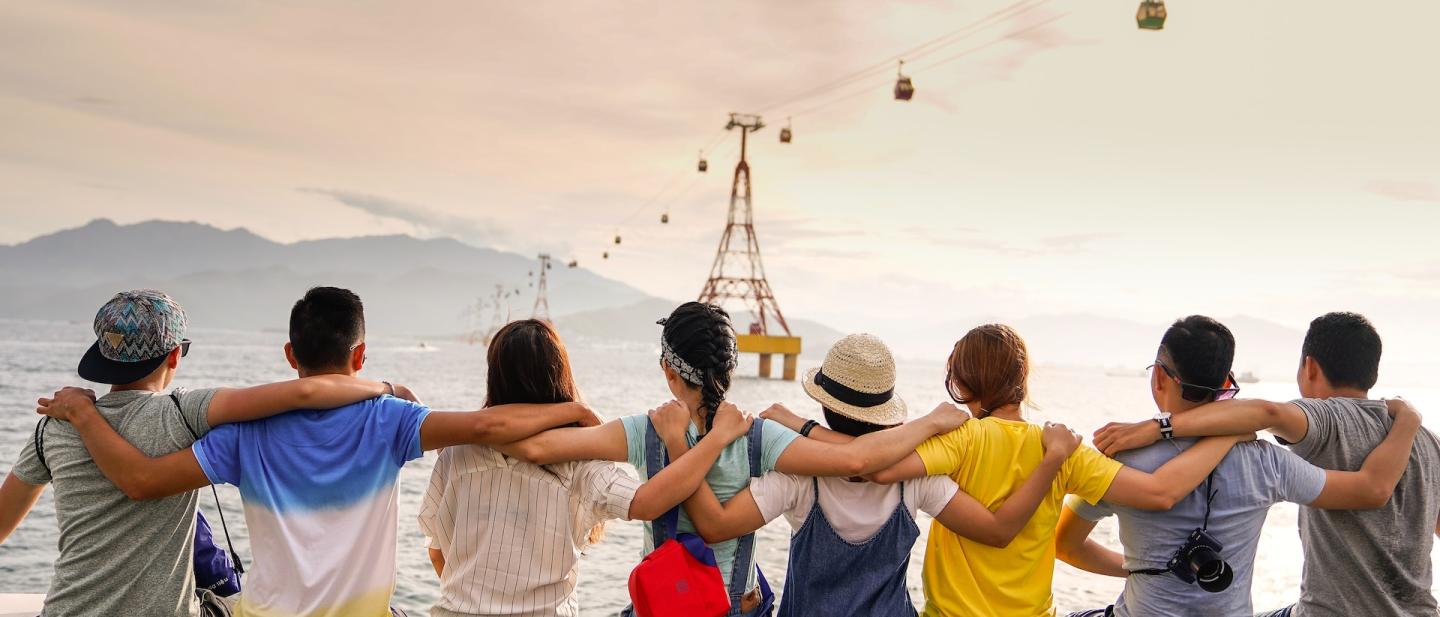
(527,363)
(990,362)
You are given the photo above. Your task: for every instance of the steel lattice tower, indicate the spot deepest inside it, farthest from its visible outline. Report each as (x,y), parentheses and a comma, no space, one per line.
(542,301)
(738,271)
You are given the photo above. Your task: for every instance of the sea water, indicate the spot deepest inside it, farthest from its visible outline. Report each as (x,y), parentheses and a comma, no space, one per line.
(617,379)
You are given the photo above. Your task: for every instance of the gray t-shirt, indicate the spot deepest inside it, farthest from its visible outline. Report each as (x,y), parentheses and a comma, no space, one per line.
(1367,562)
(1251,478)
(118,556)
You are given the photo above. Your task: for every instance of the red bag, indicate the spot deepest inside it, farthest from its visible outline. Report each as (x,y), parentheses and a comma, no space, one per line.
(679,579)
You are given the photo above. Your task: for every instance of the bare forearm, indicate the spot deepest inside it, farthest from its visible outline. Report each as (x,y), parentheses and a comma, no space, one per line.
(882,449)
(1091,556)
(316,392)
(678,480)
(437,559)
(504,424)
(17,497)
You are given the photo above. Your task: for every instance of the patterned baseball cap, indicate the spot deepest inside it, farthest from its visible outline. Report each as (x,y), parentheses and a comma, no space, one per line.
(134,332)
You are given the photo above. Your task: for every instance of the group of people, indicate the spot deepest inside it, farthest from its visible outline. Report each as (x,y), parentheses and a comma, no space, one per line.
(522,486)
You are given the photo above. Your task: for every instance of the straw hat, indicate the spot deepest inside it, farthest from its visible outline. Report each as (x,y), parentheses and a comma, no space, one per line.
(857,381)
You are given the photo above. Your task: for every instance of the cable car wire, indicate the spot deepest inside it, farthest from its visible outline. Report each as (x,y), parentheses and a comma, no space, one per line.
(884,66)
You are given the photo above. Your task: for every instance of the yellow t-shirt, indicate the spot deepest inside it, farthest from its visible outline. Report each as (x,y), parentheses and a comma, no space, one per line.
(989,459)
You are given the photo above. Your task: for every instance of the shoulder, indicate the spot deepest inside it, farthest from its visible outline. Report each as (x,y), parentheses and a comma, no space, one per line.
(772,431)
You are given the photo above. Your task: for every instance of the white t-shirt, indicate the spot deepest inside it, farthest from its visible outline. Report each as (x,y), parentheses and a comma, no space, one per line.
(512,532)
(855,509)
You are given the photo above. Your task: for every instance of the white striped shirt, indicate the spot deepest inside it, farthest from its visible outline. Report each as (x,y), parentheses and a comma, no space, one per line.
(512,532)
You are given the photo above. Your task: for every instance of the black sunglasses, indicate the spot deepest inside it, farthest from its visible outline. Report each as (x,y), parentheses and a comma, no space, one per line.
(1197,393)
(184,347)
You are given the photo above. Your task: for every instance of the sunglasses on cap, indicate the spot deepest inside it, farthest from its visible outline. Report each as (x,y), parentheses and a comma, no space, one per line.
(1197,393)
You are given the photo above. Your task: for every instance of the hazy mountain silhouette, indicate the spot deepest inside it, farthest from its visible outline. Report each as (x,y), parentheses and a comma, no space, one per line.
(234,278)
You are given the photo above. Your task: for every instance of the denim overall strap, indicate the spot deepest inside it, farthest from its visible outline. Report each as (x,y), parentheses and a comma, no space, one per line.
(657,458)
(829,575)
(745,545)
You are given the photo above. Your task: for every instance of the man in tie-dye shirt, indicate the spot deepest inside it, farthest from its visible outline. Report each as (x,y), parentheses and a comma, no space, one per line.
(319,487)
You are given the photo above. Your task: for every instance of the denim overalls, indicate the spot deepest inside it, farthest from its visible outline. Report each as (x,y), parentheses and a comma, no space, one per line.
(829,576)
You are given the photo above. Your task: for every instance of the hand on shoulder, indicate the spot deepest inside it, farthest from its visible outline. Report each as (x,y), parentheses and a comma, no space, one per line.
(730,423)
(948,416)
(66,402)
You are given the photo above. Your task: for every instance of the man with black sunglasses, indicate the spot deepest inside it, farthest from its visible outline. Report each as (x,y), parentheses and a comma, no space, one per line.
(1373,562)
(1215,530)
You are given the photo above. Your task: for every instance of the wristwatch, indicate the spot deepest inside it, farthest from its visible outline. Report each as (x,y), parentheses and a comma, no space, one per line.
(1163,419)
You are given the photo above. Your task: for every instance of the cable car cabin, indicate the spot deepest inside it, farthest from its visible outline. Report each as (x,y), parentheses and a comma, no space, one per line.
(605,255)
(1151,15)
(785,135)
(617,238)
(703,165)
(904,89)
(665,218)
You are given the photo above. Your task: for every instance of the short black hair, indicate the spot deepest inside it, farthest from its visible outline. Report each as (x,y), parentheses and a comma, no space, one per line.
(1347,348)
(1201,350)
(324,325)
(850,426)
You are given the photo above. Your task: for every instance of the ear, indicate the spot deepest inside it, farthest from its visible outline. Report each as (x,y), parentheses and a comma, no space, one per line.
(670,375)
(357,357)
(290,356)
(1310,371)
(172,360)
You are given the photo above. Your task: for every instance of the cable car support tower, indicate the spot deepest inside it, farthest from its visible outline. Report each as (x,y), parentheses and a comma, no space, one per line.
(542,295)
(739,273)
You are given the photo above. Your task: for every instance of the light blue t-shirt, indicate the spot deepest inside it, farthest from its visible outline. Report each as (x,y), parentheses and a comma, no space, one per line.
(1251,478)
(320,493)
(730,474)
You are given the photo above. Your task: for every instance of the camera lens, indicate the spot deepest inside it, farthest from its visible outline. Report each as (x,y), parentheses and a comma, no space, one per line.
(1211,572)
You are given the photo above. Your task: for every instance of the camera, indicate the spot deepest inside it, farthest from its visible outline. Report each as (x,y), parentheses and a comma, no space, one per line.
(1199,562)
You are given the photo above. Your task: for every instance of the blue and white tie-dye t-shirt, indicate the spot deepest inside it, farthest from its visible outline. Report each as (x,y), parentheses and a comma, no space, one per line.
(320,497)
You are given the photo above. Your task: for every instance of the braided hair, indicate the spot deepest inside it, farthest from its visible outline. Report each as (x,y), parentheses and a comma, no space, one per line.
(702,335)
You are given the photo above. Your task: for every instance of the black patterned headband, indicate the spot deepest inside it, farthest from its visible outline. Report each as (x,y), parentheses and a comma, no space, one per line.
(689,373)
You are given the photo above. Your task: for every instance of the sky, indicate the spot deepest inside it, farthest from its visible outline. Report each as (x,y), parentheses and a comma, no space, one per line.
(1274,159)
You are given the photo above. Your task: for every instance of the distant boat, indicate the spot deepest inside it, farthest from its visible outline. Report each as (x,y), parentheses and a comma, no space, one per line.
(1124,372)
(1247,377)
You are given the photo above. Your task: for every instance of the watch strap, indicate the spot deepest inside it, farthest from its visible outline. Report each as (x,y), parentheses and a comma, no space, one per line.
(1166,429)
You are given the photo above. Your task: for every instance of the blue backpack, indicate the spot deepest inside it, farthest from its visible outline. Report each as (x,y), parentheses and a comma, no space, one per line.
(217,573)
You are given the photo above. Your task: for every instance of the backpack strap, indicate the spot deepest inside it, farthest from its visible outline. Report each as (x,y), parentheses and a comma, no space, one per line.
(234,555)
(40,442)
(745,545)
(657,458)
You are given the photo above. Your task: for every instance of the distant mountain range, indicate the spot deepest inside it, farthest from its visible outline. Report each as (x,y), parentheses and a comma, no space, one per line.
(236,279)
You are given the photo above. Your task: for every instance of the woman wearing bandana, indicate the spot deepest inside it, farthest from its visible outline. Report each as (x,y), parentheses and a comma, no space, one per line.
(698,358)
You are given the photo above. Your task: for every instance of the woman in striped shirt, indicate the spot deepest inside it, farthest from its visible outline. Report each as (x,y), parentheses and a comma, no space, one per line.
(505,535)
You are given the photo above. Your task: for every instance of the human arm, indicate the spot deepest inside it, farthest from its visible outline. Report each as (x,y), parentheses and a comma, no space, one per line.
(909,468)
(136,474)
(17,497)
(1074,546)
(1372,486)
(1173,481)
(782,414)
(231,405)
(437,559)
(688,466)
(501,424)
(606,442)
(966,516)
(869,453)
(1234,417)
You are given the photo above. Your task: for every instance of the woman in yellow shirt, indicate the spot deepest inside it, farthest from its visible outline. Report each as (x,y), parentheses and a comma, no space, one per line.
(991,456)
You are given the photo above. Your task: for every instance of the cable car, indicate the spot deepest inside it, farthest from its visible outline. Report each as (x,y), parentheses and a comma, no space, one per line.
(605,255)
(785,132)
(617,238)
(574,263)
(1151,15)
(703,165)
(665,218)
(904,89)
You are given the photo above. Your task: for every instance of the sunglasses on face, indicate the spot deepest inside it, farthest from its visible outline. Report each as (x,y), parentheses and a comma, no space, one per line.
(1197,393)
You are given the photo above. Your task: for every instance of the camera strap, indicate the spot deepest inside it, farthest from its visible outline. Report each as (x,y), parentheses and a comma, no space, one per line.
(1205,525)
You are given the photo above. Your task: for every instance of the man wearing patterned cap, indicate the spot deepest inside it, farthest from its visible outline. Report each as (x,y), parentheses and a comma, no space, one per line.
(124,557)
